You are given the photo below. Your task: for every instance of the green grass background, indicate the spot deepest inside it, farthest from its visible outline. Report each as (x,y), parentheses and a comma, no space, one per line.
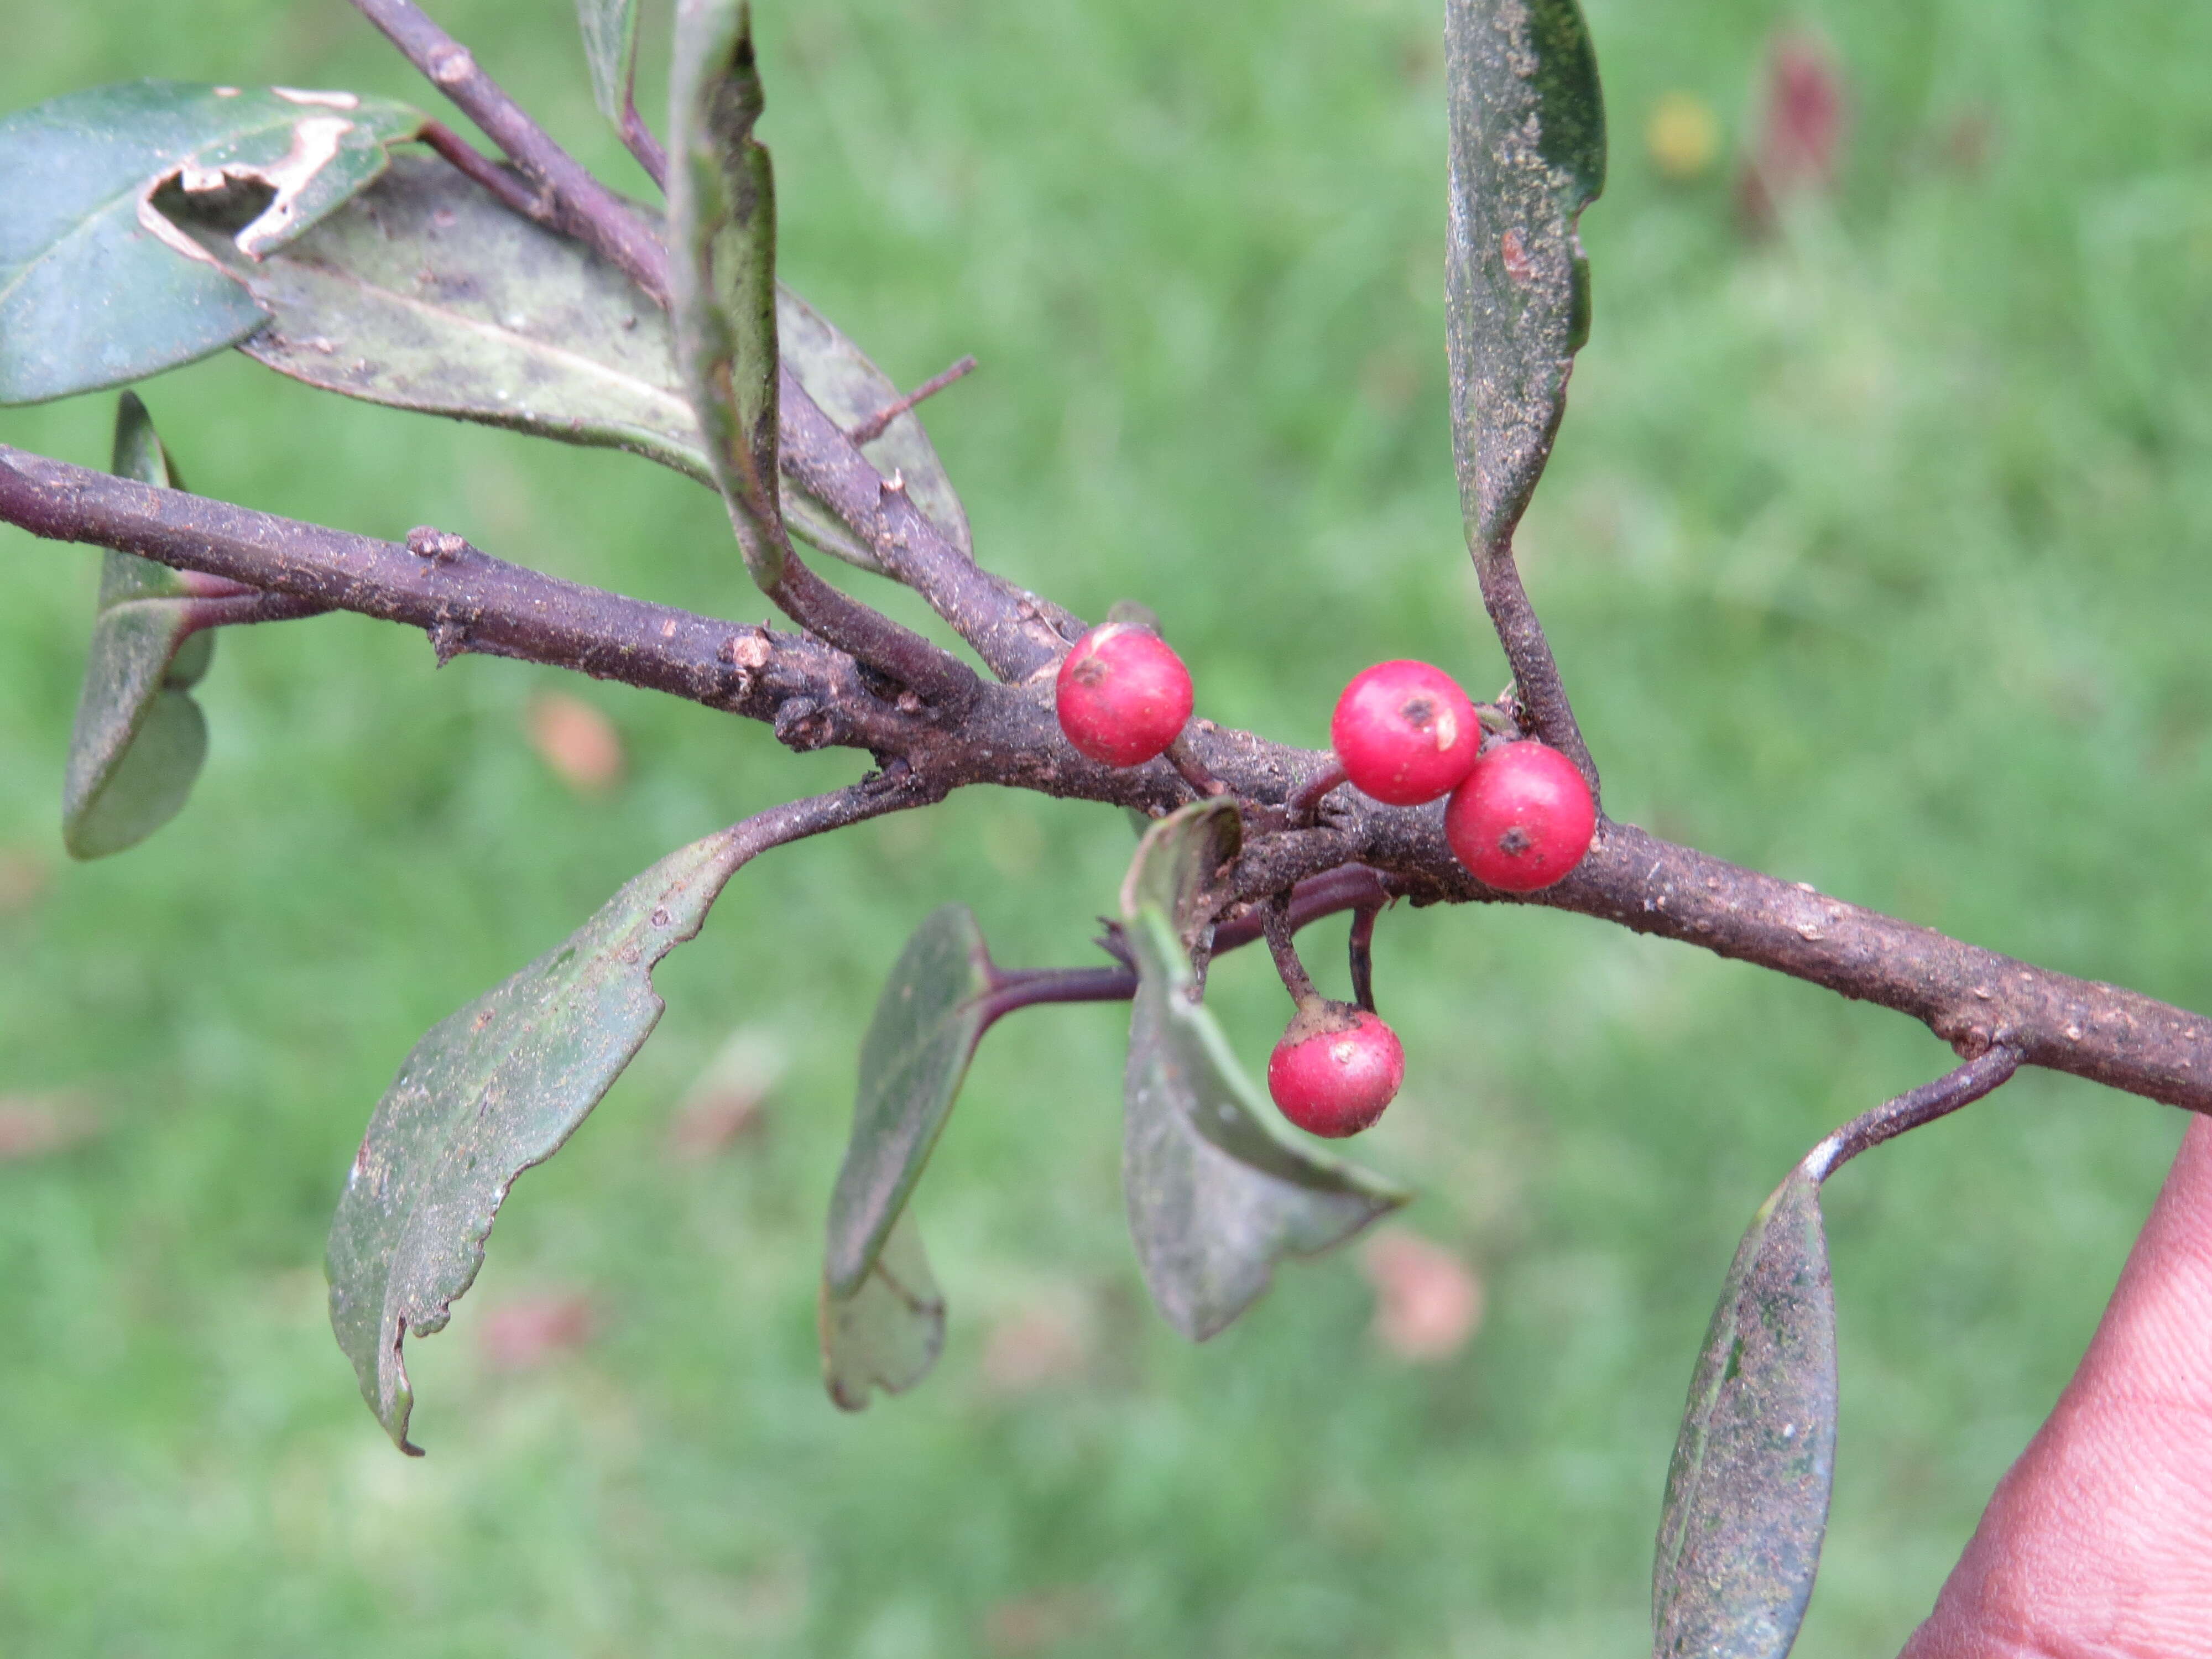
(1876,556)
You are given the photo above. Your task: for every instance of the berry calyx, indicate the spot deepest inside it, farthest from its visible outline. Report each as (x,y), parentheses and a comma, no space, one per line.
(1123,695)
(1336,1069)
(1522,819)
(1405,732)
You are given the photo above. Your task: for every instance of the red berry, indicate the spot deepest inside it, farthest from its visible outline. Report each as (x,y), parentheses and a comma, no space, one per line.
(1123,695)
(1336,1069)
(1405,732)
(1522,819)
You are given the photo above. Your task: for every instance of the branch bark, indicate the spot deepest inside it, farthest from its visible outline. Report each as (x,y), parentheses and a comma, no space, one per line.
(814,696)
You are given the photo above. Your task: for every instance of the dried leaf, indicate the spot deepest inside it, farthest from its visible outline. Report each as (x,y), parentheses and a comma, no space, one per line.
(98,287)
(1428,1302)
(726,1102)
(576,740)
(522,1335)
(490,1091)
(1527,156)
(35,1125)
(887,1333)
(139,738)
(1217,1195)
(1047,1339)
(1797,137)
(1747,1502)
(721,223)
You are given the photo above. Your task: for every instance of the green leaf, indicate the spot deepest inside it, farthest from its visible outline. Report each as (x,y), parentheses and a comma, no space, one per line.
(928,1023)
(1527,156)
(1217,1193)
(98,287)
(610,31)
(882,1318)
(721,217)
(423,293)
(887,1333)
(850,389)
(1747,1499)
(490,1091)
(139,738)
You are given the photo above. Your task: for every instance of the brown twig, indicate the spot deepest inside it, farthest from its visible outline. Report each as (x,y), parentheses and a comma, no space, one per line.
(1931,1101)
(816,697)
(875,426)
(508,186)
(580,204)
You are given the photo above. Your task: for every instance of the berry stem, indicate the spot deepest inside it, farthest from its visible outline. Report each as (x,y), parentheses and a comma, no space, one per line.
(1311,793)
(1195,772)
(1362,956)
(1298,982)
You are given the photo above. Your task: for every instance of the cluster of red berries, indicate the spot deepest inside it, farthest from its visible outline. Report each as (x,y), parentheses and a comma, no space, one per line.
(1520,817)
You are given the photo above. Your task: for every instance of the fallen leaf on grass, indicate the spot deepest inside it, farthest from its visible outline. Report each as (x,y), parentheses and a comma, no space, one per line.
(726,1101)
(31,1126)
(1041,1620)
(23,878)
(522,1335)
(1044,1341)
(577,742)
(1428,1302)
(1797,143)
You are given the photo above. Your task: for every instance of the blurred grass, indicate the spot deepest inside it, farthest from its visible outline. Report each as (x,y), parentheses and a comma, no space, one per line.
(1877,557)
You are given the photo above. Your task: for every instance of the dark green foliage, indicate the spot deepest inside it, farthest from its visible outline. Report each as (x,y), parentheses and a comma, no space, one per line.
(1527,156)
(882,1320)
(139,738)
(1217,1191)
(721,233)
(491,1091)
(94,290)
(1747,1502)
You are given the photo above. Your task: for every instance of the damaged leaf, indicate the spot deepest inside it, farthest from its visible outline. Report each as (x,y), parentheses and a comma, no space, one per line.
(1527,156)
(139,738)
(930,1017)
(887,1333)
(490,1091)
(722,221)
(610,31)
(1747,1502)
(1216,1193)
(98,286)
(424,293)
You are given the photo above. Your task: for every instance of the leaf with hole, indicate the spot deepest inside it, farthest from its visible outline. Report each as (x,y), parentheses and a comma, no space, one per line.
(932,1012)
(488,1092)
(139,740)
(1527,156)
(610,32)
(887,1333)
(423,293)
(98,286)
(1216,1193)
(1747,1503)
(721,224)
